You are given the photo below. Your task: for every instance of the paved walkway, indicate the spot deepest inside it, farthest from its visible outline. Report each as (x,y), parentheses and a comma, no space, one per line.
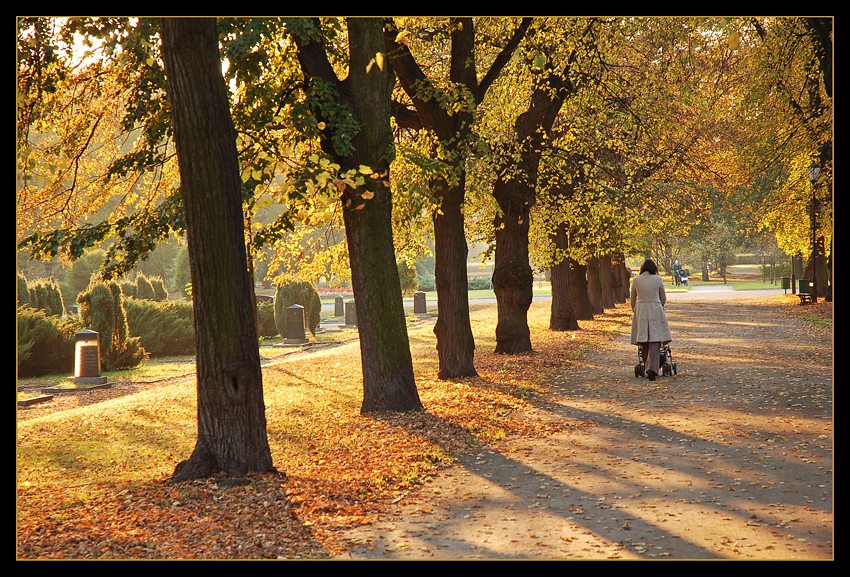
(731,458)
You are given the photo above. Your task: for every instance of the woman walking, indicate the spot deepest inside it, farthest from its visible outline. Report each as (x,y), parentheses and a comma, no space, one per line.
(649,322)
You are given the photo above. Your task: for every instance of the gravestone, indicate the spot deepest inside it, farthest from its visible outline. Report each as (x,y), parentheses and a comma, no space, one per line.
(419,304)
(350,314)
(339,306)
(295,325)
(87,359)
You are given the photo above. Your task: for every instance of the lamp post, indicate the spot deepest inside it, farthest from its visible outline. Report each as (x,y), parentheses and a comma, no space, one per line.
(814,173)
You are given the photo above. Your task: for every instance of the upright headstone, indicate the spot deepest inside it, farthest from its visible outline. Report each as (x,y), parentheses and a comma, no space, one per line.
(339,306)
(295,325)
(419,304)
(87,359)
(350,314)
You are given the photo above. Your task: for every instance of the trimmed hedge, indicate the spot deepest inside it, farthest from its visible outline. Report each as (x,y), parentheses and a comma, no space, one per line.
(23,291)
(164,328)
(144,289)
(407,277)
(45,343)
(160,293)
(297,293)
(45,295)
(479,283)
(102,310)
(128,287)
(266,326)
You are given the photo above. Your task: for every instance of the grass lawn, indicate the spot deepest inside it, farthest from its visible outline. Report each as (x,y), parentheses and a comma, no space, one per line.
(740,285)
(91,478)
(151,370)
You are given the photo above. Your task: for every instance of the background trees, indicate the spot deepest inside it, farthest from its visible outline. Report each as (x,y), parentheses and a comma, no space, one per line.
(565,144)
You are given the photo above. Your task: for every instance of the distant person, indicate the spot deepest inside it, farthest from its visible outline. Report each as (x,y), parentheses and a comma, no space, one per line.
(677,269)
(649,321)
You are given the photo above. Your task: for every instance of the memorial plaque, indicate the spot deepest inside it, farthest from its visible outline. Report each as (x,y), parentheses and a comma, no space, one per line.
(88,361)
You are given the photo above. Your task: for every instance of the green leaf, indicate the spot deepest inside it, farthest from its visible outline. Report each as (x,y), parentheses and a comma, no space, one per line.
(539,61)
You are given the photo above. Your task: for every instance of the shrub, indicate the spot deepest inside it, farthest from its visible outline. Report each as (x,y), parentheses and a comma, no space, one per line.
(407,277)
(102,309)
(478,283)
(144,289)
(297,293)
(425,274)
(23,291)
(182,276)
(159,291)
(266,326)
(45,343)
(45,295)
(79,274)
(163,328)
(128,287)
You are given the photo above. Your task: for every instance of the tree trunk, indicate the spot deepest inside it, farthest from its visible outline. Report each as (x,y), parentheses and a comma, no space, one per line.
(512,276)
(514,192)
(594,286)
(455,343)
(562,316)
(579,291)
(388,382)
(606,281)
(231,413)
(617,279)
(625,279)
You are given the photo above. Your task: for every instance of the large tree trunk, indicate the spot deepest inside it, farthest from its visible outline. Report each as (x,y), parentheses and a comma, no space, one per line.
(512,276)
(606,281)
(579,291)
(388,382)
(594,286)
(562,316)
(514,192)
(455,343)
(231,413)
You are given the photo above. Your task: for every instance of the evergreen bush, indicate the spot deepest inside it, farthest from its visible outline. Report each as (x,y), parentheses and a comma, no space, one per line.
(297,293)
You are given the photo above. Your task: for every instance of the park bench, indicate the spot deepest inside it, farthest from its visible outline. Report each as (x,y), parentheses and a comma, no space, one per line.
(804,292)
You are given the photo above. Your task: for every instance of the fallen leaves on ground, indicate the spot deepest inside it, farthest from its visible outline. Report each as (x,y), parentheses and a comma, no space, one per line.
(93,472)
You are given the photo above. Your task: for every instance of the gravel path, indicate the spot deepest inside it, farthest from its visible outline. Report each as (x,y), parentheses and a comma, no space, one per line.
(729,459)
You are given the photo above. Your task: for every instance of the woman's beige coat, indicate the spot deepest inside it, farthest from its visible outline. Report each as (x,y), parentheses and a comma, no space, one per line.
(649,323)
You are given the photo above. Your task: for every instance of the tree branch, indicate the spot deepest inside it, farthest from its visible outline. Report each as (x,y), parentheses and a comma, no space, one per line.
(311,54)
(414,81)
(502,59)
(405,117)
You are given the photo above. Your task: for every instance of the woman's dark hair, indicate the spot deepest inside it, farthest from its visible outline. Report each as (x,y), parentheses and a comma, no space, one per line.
(649,266)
